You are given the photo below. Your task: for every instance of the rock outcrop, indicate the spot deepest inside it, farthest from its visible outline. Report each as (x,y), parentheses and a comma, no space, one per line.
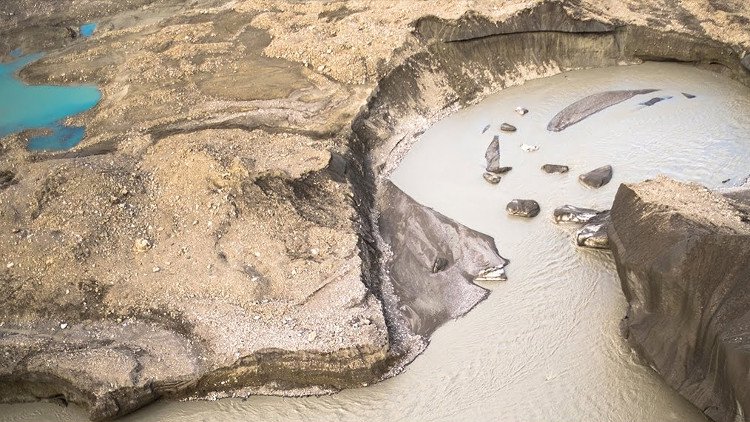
(683,256)
(418,238)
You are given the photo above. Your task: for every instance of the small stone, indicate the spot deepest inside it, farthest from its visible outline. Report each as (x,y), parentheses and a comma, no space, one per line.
(495,273)
(493,178)
(529,148)
(321,68)
(439,264)
(63,326)
(256,253)
(312,336)
(314,251)
(555,168)
(527,208)
(492,155)
(654,100)
(486,128)
(156,269)
(688,96)
(10,265)
(141,245)
(598,177)
(507,127)
(521,110)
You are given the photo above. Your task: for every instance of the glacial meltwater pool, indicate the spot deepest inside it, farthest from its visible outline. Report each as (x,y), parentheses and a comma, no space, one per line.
(25,106)
(545,345)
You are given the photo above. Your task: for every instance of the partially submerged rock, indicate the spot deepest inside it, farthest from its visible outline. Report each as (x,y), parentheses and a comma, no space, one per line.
(521,110)
(507,127)
(655,100)
(529,148)
(573,214)
(493,178)
(523,208)
(592,104)
(486,128)
(492,155)
(494,273)
(594,233)
(688,96)
(555,168)
(598,177)
(683,254)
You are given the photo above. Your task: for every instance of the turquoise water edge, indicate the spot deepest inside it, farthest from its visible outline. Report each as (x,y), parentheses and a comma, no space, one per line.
(25,106)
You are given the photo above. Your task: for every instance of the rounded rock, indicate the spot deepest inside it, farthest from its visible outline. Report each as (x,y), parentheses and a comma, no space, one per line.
(523,208)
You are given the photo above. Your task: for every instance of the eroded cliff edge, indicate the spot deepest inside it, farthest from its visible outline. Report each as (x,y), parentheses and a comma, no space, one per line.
(246,144)
(683,256)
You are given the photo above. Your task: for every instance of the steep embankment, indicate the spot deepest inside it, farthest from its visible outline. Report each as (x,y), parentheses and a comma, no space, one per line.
(683,255)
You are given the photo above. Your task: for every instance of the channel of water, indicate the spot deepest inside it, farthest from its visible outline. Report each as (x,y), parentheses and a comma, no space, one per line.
(545,345)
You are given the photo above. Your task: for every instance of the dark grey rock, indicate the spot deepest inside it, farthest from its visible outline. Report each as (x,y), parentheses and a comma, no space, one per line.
(337,166)
(523,208)
(592,104)
(654,100)
(7,178)
(598,177)
(688,96)
(683,256)
(418,237)
(492,155)
(555,168)
(594,233)
(507,127)
(493,178)
(573,214)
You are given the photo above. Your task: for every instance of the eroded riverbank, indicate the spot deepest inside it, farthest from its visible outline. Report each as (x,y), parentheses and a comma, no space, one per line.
(545,345)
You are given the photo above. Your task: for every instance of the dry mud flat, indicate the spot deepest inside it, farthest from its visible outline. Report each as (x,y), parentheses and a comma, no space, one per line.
(215,232)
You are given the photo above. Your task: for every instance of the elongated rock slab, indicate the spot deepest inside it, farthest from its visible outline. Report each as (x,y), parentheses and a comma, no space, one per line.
(592,104)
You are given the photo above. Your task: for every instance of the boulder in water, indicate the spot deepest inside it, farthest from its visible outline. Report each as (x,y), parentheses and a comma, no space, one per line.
(598,177)
(492,155)
(523,208)
(573,214)
(555,168)
(507,127)
(493,178)
(521,110)
(688,96)
(594,233)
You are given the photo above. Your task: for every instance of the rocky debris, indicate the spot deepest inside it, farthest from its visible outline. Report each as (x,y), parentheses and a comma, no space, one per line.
(594,233)
(493,178)
(573,214)
(682,254)
(597,178)
(592,104)
(521,110)
(688,96)
(555,168)
(486,128)
(529,148)
(492,155)
(494,273)
(7,178)
(416,236)
(523,208)
(507,127)
(141,245)
(654,100)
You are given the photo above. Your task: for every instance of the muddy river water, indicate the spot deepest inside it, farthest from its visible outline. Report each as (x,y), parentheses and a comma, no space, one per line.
(545,345)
